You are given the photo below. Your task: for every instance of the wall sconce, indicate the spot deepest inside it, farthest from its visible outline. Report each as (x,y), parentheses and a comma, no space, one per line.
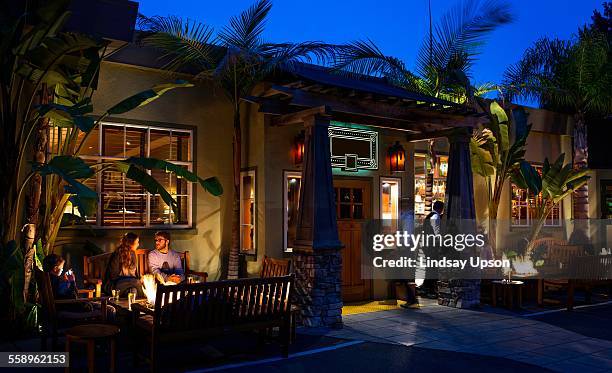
(397,157)
(298,148)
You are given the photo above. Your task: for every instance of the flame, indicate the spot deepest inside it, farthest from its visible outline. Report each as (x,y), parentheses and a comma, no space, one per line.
(523,266)
(150,287)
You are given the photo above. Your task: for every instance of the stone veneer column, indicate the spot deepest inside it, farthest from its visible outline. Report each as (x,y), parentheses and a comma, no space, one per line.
(317,257)
(459,206)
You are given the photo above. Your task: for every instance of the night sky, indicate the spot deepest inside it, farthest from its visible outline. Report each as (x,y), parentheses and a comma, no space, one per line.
(397,27)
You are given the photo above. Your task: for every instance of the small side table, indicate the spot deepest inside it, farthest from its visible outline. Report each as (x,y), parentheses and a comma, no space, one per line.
(90,334)
(509,289)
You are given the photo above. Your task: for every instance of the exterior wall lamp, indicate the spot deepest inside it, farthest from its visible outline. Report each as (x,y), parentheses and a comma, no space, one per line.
(298,148)
(396,157)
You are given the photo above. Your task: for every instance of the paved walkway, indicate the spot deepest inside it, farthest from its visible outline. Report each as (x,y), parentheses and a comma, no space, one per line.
(443,328)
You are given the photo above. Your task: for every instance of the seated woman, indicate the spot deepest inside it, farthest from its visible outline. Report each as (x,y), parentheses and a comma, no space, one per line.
(122,272)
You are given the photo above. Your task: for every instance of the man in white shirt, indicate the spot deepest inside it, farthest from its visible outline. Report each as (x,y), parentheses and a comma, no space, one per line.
(431,225)
(164,262)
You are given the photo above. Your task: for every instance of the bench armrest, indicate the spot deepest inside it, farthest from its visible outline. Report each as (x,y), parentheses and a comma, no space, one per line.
(139,308)
(89,292)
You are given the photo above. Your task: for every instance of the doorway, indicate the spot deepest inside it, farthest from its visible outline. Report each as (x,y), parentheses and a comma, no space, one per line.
(353,207)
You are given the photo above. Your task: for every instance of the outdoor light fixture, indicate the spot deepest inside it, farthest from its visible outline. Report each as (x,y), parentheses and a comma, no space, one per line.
(298,148)
(397,157)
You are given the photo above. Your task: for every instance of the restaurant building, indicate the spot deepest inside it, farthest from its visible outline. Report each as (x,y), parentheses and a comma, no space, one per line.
(348,150)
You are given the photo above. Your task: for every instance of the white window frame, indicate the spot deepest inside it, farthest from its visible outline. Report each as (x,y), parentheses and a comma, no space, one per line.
(100,157)
(286,176)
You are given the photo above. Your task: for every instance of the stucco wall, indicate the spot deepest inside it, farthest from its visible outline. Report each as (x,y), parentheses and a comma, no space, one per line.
(202,109)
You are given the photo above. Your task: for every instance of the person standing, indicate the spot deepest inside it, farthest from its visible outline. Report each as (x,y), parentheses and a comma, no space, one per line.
(165,262)
(432,225)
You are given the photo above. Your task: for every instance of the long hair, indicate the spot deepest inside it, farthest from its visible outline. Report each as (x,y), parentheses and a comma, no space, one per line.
(125,249)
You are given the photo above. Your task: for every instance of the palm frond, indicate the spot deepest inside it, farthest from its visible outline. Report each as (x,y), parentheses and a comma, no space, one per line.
(184,42)
(363,57)
(459,35)
(244,31)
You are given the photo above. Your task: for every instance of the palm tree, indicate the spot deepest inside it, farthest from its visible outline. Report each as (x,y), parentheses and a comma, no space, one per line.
(446,55)
(571,76)
(236,59)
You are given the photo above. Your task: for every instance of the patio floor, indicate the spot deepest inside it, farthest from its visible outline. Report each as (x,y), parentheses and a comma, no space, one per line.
(520,338)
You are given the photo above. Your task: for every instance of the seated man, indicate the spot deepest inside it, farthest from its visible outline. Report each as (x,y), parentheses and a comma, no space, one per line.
(164,262)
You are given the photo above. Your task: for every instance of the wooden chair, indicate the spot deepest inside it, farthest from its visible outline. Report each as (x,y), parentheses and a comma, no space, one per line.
(271,267)
(558,257)
(52,318)
(195,311)
(142,262)
(586,272)
(94,270)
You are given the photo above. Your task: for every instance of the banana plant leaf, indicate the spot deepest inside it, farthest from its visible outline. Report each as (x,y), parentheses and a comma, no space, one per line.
(211,184)
(527,177)
(482,162)
(152,186)
(502,123)
(68,116)
(70,169)
(146,97)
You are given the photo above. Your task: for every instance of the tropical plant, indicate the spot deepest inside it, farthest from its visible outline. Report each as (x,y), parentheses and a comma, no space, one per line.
(556,182)
(47,81)
(446,55)
(236,59)
(571,76)
(495,157)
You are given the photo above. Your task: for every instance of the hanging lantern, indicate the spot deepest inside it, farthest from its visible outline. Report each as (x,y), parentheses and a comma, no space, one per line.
(298,148)
(397,157)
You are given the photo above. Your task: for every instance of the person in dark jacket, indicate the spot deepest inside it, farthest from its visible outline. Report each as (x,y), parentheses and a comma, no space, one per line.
(122,271)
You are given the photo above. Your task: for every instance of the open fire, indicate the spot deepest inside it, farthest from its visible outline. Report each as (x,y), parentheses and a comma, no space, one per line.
(149,287)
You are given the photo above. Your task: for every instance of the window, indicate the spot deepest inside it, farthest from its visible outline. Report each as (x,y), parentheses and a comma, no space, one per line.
(247,212)
(523,207)
(390,190)
(421,169)
(123,202)
(292,181)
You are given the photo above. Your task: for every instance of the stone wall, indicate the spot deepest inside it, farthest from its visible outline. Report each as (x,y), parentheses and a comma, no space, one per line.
(459,293)
(318,287)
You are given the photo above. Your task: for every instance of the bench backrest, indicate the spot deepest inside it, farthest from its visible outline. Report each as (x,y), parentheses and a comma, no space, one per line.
(592,267)
(564,253)
(94,267)
(271,267)
(191,307)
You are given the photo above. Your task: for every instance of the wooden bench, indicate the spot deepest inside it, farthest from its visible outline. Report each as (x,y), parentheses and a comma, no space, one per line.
(191,311)
(271,267)
(94,268)
(589,271)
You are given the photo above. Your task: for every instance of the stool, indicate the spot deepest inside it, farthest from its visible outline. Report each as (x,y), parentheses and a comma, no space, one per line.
(89,334)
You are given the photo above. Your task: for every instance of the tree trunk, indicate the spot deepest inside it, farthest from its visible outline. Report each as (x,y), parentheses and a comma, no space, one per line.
(581,154)
(232,271)
(33,200)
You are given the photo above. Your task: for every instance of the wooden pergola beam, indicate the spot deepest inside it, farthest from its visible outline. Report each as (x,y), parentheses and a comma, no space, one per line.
(449,132)
(299,116)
